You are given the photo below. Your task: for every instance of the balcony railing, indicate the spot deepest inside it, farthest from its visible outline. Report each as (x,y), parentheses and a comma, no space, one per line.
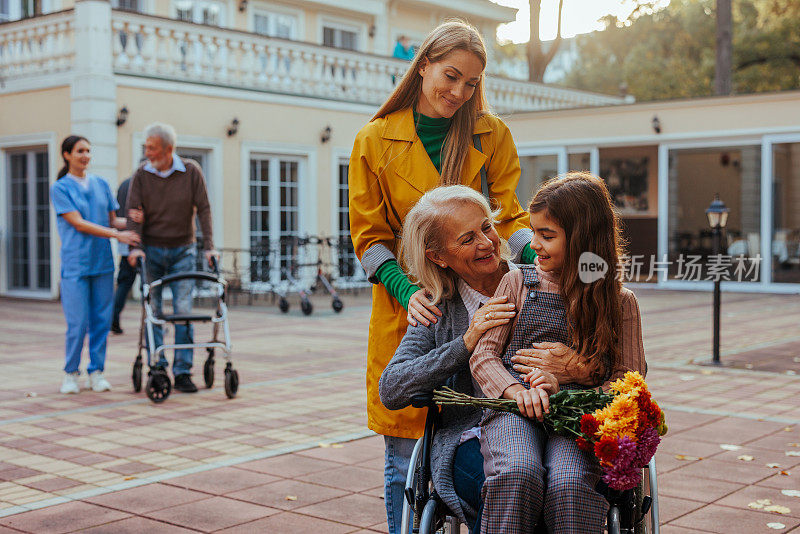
(169,49)
(41,46)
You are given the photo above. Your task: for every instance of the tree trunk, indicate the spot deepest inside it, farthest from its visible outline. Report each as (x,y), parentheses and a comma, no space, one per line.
(537,59)
(722,80)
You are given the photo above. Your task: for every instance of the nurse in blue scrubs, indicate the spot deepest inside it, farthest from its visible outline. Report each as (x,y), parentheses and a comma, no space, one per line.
(86,220)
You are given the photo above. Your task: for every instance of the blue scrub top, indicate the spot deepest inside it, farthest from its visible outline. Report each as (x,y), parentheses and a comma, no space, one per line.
(83,254)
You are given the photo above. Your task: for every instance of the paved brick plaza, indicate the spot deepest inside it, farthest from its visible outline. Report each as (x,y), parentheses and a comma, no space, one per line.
(292,453)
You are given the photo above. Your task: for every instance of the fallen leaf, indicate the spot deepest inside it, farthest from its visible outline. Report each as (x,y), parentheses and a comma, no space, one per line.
(776,526)
(794,444)
(31,394)
(706,372)
(759,504)
(785,473)
(728,447)
(791,493)
(291,497)
(787,429)
(748,366)
(778,509)
(130,478)
(687,458)
(791,372)
(773,465)
(745,458)
(324,445)
(792,453)
(796,359)
(337,445)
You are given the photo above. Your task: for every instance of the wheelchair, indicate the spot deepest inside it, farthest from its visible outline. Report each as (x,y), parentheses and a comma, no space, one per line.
(630,512)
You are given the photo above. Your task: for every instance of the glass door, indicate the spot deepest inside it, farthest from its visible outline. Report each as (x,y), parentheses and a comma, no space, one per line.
(29,221)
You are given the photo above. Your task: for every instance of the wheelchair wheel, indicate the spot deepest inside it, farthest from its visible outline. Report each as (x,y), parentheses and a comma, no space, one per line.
(306,306)
(337,304)
(136,376)
(283,304)
(208,369)
(613,520)
(158,386)
(231,381)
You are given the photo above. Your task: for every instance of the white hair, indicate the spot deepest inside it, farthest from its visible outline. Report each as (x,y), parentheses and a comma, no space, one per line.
(165,132)
(425,228)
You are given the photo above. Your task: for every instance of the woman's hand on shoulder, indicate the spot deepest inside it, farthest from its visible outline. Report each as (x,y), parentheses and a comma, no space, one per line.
(497,311)
(421,309)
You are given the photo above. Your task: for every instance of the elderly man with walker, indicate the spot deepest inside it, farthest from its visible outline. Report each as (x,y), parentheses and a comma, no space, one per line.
(168,191)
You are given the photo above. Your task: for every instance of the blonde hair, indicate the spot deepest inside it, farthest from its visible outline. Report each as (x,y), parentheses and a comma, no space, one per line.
(444,39)
(425,228)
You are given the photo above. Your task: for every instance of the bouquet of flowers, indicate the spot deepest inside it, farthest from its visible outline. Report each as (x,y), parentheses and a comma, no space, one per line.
(621,428)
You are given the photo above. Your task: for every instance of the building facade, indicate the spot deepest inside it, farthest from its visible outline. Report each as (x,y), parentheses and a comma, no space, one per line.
(267,97)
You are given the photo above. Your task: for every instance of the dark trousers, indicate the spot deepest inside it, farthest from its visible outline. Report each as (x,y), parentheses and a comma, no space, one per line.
(125,280)
(468,476)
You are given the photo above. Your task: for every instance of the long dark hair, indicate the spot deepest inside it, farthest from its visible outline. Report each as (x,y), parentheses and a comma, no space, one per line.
(66,146)
(580,203)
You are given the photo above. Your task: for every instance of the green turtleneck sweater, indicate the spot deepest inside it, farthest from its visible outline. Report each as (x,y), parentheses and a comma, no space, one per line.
(432,133)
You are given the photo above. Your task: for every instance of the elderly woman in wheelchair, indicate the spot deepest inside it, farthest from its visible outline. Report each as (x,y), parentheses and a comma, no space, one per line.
(451,248)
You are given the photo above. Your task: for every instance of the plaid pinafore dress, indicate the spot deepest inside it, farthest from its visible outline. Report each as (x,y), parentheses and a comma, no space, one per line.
(530,475)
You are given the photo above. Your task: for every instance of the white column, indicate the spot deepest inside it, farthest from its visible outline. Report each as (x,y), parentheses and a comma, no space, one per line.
(93,89)
(382,42)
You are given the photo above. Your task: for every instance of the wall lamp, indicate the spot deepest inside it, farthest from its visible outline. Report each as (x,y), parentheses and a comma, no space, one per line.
(233,128)
(242,5)
(326,135)
(372,31)
(656,122)
(122,116)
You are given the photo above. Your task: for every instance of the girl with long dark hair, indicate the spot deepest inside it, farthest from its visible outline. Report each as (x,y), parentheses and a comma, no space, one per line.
(86,220)
(528,473)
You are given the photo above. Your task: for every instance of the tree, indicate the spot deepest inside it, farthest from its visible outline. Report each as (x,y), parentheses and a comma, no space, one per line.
(538,59)
(724,65)
(670,53)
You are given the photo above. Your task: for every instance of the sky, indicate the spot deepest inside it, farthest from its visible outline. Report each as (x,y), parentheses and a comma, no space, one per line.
(579,16)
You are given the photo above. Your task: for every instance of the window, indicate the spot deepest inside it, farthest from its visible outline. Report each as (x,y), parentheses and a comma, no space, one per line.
(129,5)
(29,220)
(786,213)
(274,217)
(348,265)
(340,37)
(200,12)
(281,25)
(18,9)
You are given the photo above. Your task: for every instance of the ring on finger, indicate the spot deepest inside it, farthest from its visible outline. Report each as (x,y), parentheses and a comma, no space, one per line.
(489,316)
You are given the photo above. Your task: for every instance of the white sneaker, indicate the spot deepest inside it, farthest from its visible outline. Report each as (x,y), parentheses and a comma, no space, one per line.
(97,382)
(70,384)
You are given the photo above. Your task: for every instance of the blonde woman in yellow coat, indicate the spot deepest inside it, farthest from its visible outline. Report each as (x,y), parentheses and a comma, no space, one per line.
(434,129)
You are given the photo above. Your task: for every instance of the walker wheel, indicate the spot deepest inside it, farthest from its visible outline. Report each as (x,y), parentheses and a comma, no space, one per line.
(283,304)
(136,376)
(337,304)
(158,386)
(208,369)
(231,381)
(306,306)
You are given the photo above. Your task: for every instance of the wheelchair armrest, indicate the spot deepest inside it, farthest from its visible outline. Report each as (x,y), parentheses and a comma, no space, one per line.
(422,400)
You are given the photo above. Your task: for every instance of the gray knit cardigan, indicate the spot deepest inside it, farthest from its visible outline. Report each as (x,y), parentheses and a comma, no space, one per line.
(429,357)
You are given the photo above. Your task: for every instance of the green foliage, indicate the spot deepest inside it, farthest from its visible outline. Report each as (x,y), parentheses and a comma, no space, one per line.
(670,53)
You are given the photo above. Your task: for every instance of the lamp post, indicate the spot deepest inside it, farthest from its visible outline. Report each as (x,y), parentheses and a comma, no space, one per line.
(717,214)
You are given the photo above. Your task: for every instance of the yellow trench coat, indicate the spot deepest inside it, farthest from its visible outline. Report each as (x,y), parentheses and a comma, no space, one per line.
(389,172)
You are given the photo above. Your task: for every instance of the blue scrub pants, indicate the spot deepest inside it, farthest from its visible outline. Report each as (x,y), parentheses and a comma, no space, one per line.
(87,303)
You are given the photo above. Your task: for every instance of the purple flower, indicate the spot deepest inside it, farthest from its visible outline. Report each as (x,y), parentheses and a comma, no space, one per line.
(626,472)
(648,442)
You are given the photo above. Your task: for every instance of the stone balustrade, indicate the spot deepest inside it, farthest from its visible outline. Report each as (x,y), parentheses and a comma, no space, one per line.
(40,46)
(161,48)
